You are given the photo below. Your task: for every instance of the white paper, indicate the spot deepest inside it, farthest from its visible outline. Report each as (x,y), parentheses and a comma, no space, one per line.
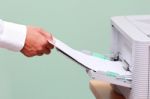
(90,62)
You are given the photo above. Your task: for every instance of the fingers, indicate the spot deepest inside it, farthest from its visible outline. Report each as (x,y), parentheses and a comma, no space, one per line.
(46,45)
(47,48)
(47,51)
(48,37)
(44,51)
(40,54)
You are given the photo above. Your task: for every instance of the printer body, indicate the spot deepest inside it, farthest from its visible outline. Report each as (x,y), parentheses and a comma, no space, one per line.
(130,45)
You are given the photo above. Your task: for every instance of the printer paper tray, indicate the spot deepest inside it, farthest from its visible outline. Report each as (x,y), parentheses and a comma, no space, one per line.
(97,75)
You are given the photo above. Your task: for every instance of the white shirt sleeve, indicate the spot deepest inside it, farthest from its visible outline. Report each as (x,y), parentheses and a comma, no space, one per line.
(12,35)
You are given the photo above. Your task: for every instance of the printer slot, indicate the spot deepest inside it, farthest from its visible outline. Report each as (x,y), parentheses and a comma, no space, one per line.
(113,77)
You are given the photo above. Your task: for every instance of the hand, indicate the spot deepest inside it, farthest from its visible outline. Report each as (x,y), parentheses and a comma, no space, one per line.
(36,42)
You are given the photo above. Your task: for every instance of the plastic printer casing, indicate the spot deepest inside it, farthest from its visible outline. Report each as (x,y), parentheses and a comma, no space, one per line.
(131,45)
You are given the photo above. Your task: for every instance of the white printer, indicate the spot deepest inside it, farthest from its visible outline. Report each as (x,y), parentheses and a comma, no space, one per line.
(129,66)
(131,45)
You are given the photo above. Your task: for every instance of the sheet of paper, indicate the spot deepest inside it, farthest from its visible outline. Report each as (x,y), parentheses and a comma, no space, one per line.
(88,61)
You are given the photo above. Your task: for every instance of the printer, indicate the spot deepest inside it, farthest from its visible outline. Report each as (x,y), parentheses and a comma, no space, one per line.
(130,45)
(128,66)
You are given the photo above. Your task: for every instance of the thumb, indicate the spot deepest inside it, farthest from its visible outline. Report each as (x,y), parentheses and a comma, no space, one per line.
(47,35)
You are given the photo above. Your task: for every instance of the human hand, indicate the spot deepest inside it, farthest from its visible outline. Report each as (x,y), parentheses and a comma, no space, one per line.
(36,42)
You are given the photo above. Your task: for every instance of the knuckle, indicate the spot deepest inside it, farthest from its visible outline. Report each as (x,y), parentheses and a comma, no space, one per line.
(47,51)
(31,54)
(28,55)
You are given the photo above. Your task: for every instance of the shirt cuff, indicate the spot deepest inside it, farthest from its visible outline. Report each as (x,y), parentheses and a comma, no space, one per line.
(12,36)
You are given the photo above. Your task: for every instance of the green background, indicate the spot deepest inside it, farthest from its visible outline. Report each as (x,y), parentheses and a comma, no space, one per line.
(82,24)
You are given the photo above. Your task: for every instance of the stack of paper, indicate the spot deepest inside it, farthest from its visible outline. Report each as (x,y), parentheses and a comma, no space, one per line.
(88,61)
